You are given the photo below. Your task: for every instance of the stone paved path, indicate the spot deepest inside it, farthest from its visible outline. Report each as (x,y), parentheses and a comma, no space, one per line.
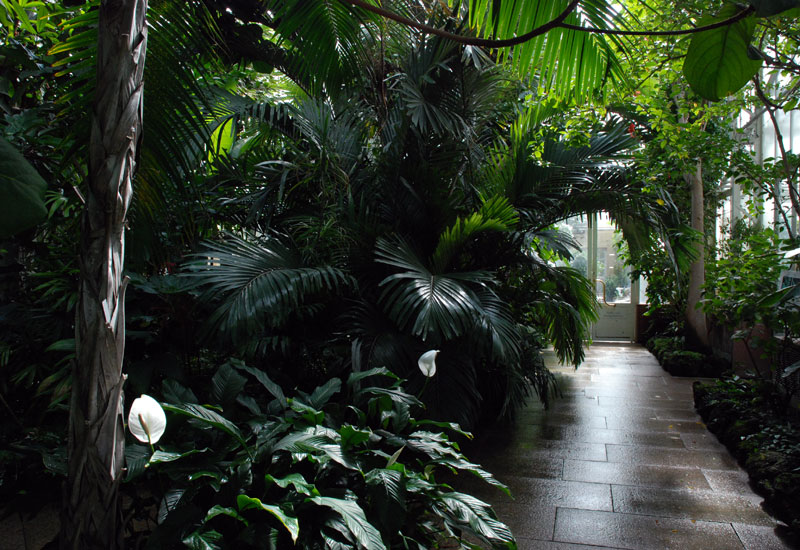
(622,461)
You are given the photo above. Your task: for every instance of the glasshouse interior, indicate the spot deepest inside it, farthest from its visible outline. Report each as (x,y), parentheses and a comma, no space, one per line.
(399,274)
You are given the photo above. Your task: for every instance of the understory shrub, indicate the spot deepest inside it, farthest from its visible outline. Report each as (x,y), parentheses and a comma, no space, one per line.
(678,361)
(762,434)
(345,466)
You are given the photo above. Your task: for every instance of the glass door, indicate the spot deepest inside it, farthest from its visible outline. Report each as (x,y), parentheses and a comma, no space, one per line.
(615,292)
(598,259)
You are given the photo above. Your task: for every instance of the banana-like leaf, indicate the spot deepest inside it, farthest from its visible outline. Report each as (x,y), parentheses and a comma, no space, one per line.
(21,192)
(717,62)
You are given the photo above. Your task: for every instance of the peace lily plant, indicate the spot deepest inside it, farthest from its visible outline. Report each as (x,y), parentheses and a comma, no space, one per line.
(427,364)
(147,420)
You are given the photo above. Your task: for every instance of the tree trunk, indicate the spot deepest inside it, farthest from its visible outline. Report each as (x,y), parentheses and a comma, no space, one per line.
(695,316)
(91,517)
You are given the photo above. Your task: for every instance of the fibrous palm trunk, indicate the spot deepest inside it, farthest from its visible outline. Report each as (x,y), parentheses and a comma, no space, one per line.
(91,516)
(695,316)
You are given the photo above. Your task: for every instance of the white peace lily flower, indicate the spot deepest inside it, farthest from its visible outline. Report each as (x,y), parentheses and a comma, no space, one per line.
(427,362)
(147,420)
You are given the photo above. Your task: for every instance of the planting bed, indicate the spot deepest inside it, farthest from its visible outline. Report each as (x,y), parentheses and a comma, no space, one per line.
(762,433)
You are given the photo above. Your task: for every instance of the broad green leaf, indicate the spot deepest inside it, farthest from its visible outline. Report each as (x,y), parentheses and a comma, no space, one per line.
(67,344)
(249,403)
(21,192)
(203,540)
(169,502)
(768,8)
(309,414)
(218,510)
(461,464)
(395,455)
(208,417)
(387,498)
(226,385)
(163,456)
(136,459)
(361,375)
(316,445)
(319,398)
(213,479)
(717,62)
(174,392)
(365,533)
(449,425)
(352,436)
(291,523)
(273,388)
(297,481)
(468,510)
(390,482)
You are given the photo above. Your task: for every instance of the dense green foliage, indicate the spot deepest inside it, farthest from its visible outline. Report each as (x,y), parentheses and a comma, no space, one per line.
(324,193)
(344,466)
(755,427)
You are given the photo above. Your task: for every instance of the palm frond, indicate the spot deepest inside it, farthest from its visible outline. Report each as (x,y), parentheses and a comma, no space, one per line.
(429,304)
(565,306)
(498,323)
(570,63)
(328,37)
(259,284)
(496,214)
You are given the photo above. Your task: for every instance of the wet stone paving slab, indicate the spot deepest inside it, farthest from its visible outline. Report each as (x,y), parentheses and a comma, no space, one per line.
(621,461)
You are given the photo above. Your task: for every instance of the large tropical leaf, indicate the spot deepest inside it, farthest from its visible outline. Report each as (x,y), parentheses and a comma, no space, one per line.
(498,324)
(496,214)
(718,62)
(260,285)
(364,532)
(443,305)
(327,36)
(21,192)
(209,418)
(292,524)
(459,509)
(569,62)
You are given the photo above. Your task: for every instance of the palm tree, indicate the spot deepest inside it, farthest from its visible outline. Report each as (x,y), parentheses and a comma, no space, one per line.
(91,515)
(425,282)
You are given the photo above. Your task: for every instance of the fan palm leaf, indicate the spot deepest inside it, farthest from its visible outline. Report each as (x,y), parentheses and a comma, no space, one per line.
(426,303)
(565,306)
(327,36)
(259,284)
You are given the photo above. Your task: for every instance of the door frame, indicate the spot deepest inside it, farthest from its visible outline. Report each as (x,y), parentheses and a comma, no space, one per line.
(628,331)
